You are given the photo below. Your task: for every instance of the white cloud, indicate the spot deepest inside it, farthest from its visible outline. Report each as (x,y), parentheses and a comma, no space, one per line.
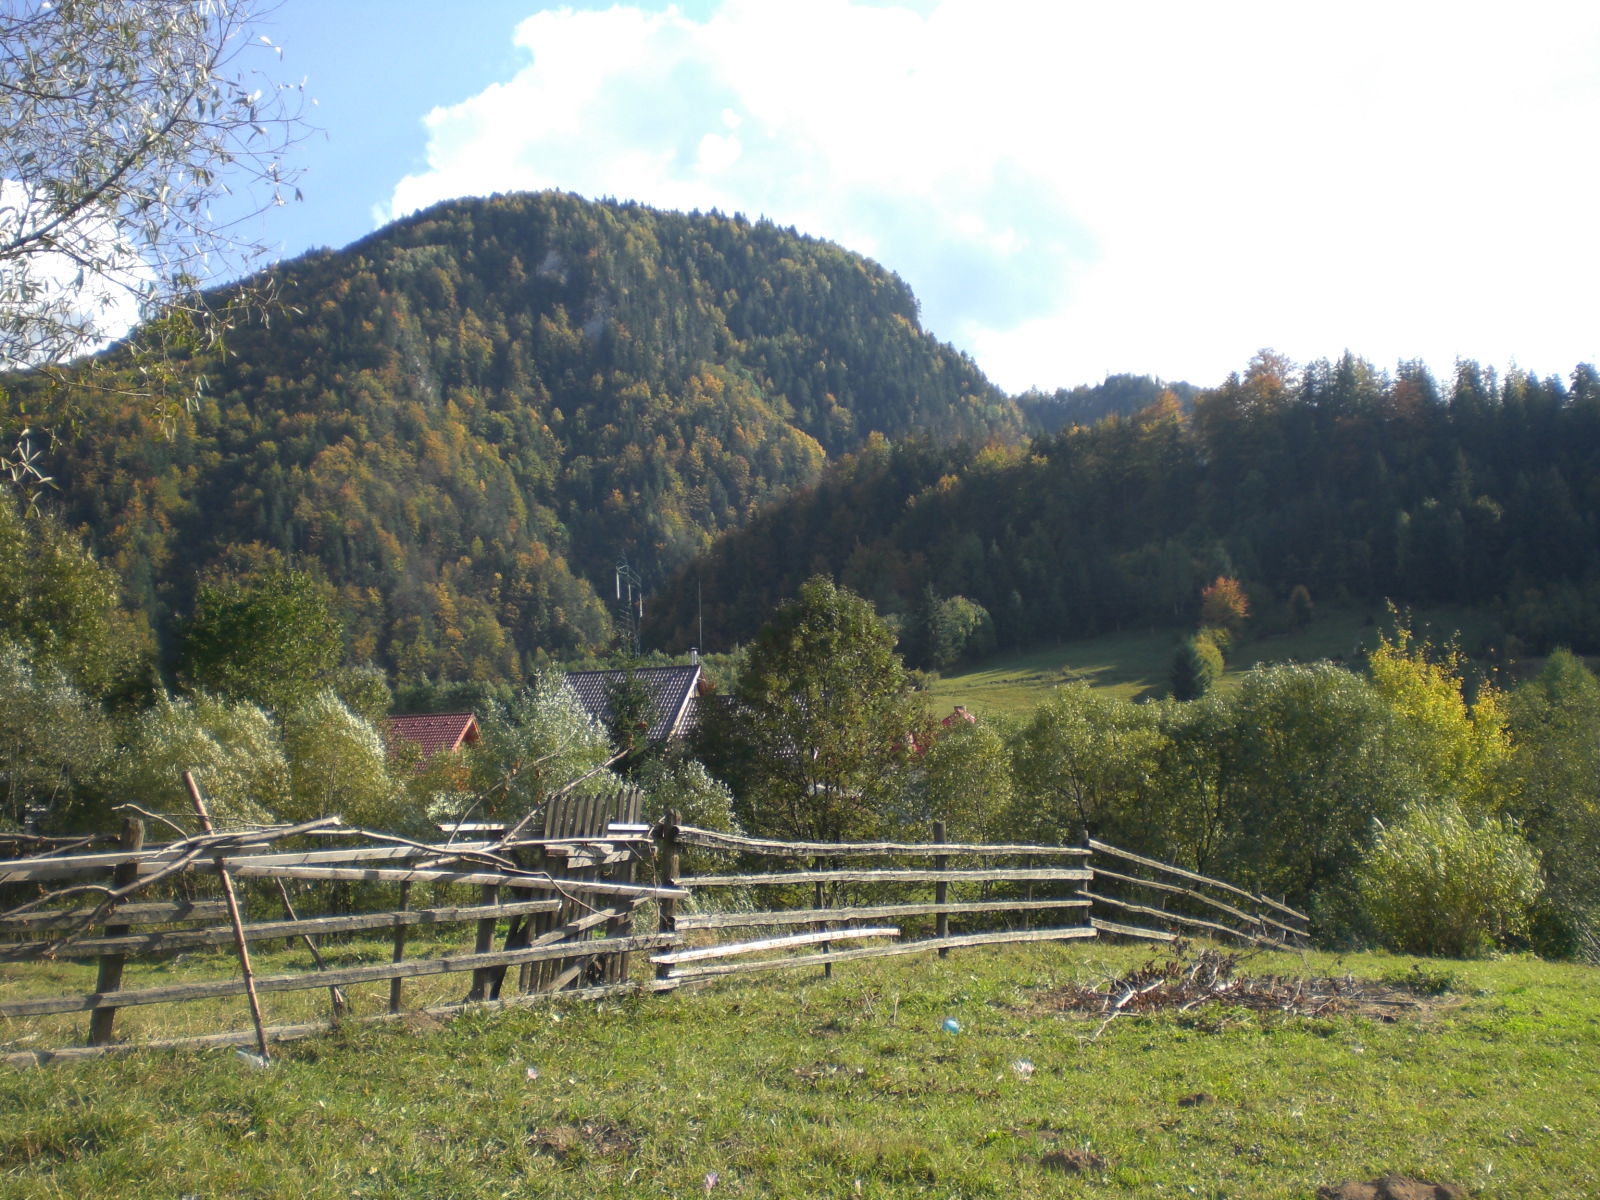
(1073,189)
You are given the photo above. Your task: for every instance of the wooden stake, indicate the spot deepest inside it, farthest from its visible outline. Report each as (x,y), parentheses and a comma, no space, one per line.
(233,917)
(941,892)
(334,994)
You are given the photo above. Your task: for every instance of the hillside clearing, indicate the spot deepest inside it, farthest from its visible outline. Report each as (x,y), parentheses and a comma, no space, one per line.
(803,1087)
(1137,664)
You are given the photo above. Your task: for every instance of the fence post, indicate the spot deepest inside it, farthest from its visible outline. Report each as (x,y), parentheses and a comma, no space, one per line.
(616,965)
(667,856)
(399,949)
(481,976)
(941,891)
(817,864)
(110,975)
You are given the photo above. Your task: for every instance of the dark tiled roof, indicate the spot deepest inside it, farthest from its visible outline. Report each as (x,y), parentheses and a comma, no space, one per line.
(433,731)
(673,689)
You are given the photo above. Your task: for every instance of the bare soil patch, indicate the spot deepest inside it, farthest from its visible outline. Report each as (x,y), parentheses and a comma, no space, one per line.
(1391,1187)
(1073,1162)
(584,1139)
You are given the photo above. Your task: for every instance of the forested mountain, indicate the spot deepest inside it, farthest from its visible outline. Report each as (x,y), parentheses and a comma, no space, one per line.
(1115,395)
(467,417)
(1337,477)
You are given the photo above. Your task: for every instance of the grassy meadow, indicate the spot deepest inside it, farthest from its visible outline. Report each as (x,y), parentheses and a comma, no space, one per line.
(806,1087)
(1137,664)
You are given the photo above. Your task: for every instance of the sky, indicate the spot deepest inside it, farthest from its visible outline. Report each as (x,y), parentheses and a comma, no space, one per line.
(1070,189)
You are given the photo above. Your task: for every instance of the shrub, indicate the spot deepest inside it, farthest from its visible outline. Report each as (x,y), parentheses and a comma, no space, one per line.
(232,746)
(1195,668)
(1437,883)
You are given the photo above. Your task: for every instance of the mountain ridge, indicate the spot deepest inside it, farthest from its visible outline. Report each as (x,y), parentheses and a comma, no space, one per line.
(472,413)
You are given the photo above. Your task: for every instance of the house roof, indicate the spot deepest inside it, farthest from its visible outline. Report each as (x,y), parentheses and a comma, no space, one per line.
(673,690)
(433,731)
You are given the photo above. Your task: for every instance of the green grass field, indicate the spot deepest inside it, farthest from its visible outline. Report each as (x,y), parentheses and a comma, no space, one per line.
(1137,664)
(805,1087)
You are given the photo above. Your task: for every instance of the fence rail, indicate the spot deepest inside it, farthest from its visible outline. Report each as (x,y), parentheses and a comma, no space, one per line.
(1003,901)
(1254,918)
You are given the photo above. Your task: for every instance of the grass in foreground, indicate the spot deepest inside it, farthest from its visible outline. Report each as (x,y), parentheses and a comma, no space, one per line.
(805,1087)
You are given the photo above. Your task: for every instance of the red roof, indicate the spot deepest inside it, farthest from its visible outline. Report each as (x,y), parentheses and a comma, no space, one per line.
(434,732)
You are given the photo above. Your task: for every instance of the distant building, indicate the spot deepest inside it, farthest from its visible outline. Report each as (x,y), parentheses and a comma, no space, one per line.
(431,732)
(960,714)
(675,693)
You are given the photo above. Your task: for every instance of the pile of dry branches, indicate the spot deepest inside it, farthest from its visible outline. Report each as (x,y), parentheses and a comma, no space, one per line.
(1192,979)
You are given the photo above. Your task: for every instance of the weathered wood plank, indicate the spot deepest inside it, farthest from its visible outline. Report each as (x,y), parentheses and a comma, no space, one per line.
(1253,897)
(110,969)
(1180,919)
(18,870)
(172,940)
(27,870)
(575,858)
(690,835)
(283,1033)
(546,883)
(891,875)
(1172,888)
(150,913)
(1134,931)
(917,947)
(873,912)
(255,854)
(352,854)
(344,976)
(729,949)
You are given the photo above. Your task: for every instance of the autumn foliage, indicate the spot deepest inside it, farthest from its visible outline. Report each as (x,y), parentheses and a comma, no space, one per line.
(1223,605)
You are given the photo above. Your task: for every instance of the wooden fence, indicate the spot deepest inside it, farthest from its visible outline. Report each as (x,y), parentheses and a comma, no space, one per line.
(558,906)
(1180,903)
(907,898)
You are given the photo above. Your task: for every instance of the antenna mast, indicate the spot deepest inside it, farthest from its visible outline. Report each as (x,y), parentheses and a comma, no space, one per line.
(629,604)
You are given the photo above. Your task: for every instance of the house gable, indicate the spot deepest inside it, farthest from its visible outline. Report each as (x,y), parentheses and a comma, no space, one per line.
(674,693)
(432,732)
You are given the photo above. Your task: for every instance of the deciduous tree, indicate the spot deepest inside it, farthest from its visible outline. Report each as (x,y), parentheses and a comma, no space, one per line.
(1555,727)
(266,633)
(1456,749)
(64,605)
(232,746)
(1223,605)
(54,742)
(822,720)
(539,740)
